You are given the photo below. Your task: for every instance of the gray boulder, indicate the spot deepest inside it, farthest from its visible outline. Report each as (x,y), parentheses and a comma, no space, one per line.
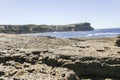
(117,43)
(118,36)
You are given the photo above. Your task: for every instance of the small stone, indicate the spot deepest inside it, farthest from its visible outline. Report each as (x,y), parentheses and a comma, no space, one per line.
(36,52)
(100,50)
(53,74)
(31,70)
(21,51)
(63,75)
(35,58)
(26,65)
(27,54)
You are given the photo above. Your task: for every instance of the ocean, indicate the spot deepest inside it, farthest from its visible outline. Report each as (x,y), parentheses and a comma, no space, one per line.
(98,33)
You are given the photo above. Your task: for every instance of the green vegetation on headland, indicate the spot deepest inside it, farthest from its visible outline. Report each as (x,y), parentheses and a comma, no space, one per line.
(31,28)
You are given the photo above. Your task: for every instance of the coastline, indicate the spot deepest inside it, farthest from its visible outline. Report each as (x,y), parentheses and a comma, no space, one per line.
(54,58)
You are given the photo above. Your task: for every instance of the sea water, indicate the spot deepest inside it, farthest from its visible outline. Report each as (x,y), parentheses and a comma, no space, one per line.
(98,33)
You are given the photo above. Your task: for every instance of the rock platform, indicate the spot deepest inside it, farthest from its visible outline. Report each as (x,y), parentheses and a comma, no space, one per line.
(48,58)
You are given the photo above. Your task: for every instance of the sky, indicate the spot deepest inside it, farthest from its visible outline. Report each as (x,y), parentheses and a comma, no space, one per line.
(100,13)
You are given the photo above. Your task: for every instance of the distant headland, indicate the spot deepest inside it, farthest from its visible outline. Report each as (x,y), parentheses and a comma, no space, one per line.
(31,28)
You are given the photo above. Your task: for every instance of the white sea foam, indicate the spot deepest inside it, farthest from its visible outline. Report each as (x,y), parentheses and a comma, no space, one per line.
(82,34)
(102,34)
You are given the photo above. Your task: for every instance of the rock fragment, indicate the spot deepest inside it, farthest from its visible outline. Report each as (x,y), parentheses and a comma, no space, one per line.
(117,43)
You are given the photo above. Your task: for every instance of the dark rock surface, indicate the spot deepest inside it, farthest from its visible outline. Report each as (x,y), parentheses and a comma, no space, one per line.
(118,43)
(118,36)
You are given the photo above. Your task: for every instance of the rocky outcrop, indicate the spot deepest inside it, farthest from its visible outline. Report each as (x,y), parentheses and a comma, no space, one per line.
(49,58)
(31,66)
(46,65)
(44,28)
(117,43)
(118,36)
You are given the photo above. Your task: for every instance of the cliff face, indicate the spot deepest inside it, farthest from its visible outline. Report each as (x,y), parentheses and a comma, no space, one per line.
(44,28)
(83,27)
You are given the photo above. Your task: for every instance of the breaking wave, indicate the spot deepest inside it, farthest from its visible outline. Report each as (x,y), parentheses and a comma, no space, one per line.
(82,34)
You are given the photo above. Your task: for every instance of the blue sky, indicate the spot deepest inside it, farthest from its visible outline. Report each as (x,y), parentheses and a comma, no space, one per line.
(100,13)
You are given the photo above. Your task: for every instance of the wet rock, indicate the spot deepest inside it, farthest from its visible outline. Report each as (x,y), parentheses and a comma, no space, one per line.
(2,73)
(2,59)
(81,46)
(118,36)
(50,37)
(31,70)
(100,50)
(65,56)
(117,43)
(12,73)
(118,52)
(95,67)
(26,65)
(87,58)
(112,61)
(36,52)
(1,79)
(27,54)
(63,75)
(35,57)
(2,52)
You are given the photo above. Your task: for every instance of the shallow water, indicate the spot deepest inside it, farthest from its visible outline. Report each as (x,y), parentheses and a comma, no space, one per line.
(98,33)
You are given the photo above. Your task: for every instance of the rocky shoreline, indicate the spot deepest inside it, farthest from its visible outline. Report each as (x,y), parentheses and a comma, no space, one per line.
(48,58)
